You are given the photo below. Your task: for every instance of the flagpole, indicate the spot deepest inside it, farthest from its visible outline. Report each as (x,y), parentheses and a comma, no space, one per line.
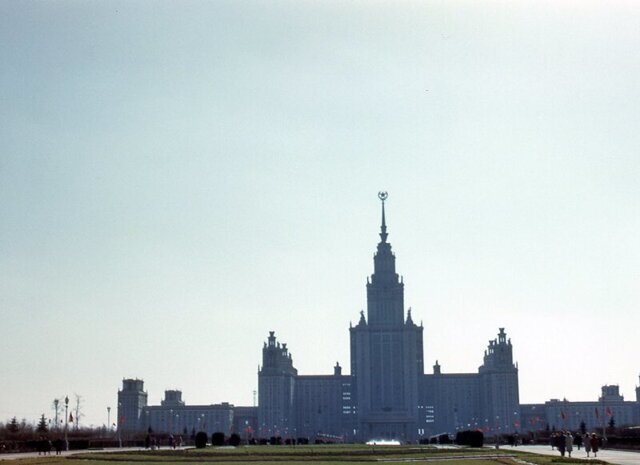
(604,426)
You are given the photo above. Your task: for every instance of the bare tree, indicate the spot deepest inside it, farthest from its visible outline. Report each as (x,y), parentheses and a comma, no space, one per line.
(56,408)
(78,409)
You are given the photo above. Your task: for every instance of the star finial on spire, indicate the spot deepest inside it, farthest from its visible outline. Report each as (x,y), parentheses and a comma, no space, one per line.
(383,228)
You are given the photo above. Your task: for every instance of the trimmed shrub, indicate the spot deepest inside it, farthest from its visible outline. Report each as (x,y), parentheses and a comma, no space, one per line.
(234,440)
(470,438)
(201,440)
(217,439)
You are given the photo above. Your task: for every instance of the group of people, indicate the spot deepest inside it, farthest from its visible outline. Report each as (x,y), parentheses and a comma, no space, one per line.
(45,445)
(564,442)
(153,443)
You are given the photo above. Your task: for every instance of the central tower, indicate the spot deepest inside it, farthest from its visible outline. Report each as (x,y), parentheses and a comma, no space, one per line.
(386,354)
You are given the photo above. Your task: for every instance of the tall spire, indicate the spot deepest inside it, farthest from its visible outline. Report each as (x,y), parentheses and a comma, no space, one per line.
(383,228)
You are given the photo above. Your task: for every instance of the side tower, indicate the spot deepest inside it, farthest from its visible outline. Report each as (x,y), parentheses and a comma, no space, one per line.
(499,399)
(386,354)
(276,384)
(132,399)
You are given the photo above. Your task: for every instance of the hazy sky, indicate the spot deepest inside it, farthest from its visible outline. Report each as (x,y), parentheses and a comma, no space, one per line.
(179,178)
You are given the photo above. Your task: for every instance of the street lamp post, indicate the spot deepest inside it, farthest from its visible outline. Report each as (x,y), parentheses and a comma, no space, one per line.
(66,422)
(109,418)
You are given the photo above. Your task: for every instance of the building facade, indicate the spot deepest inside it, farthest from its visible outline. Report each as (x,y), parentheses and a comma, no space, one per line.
(387,395)
(609,408)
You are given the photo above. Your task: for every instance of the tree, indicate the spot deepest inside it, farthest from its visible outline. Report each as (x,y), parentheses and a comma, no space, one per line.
(13,425)
(78,411)
(42,425)
(56,408)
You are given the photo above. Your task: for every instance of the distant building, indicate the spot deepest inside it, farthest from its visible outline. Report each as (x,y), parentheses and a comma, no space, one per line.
(562,414)
(387,395)
(174,416)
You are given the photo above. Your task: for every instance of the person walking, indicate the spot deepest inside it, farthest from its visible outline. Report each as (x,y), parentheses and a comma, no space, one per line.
(587,443)
(58,445)
(568,442)
(595,444)
(561,445)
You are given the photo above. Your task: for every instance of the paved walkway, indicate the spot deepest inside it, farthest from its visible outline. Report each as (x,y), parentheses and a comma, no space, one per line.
(617,457)
(26,455)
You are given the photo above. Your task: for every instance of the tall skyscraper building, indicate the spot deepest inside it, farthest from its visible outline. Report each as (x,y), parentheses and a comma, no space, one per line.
(387,395)
(386,353)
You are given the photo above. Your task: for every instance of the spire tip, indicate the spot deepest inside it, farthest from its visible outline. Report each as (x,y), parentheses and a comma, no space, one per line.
(383,229)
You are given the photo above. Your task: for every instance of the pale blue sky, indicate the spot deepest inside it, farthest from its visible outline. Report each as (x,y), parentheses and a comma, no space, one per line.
(179,178)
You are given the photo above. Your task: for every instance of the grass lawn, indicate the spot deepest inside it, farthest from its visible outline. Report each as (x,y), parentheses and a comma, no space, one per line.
(308,455)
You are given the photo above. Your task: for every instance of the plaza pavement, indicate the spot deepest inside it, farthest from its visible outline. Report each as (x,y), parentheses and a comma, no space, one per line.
(26,455)
(616,457)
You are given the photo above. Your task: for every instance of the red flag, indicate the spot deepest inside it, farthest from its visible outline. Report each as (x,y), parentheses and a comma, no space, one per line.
(71,418)
(609,411)
(597,413)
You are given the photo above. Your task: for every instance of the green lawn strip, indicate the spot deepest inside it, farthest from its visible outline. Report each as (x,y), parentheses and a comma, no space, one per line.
(300,451)
(274,461)
(255,454)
